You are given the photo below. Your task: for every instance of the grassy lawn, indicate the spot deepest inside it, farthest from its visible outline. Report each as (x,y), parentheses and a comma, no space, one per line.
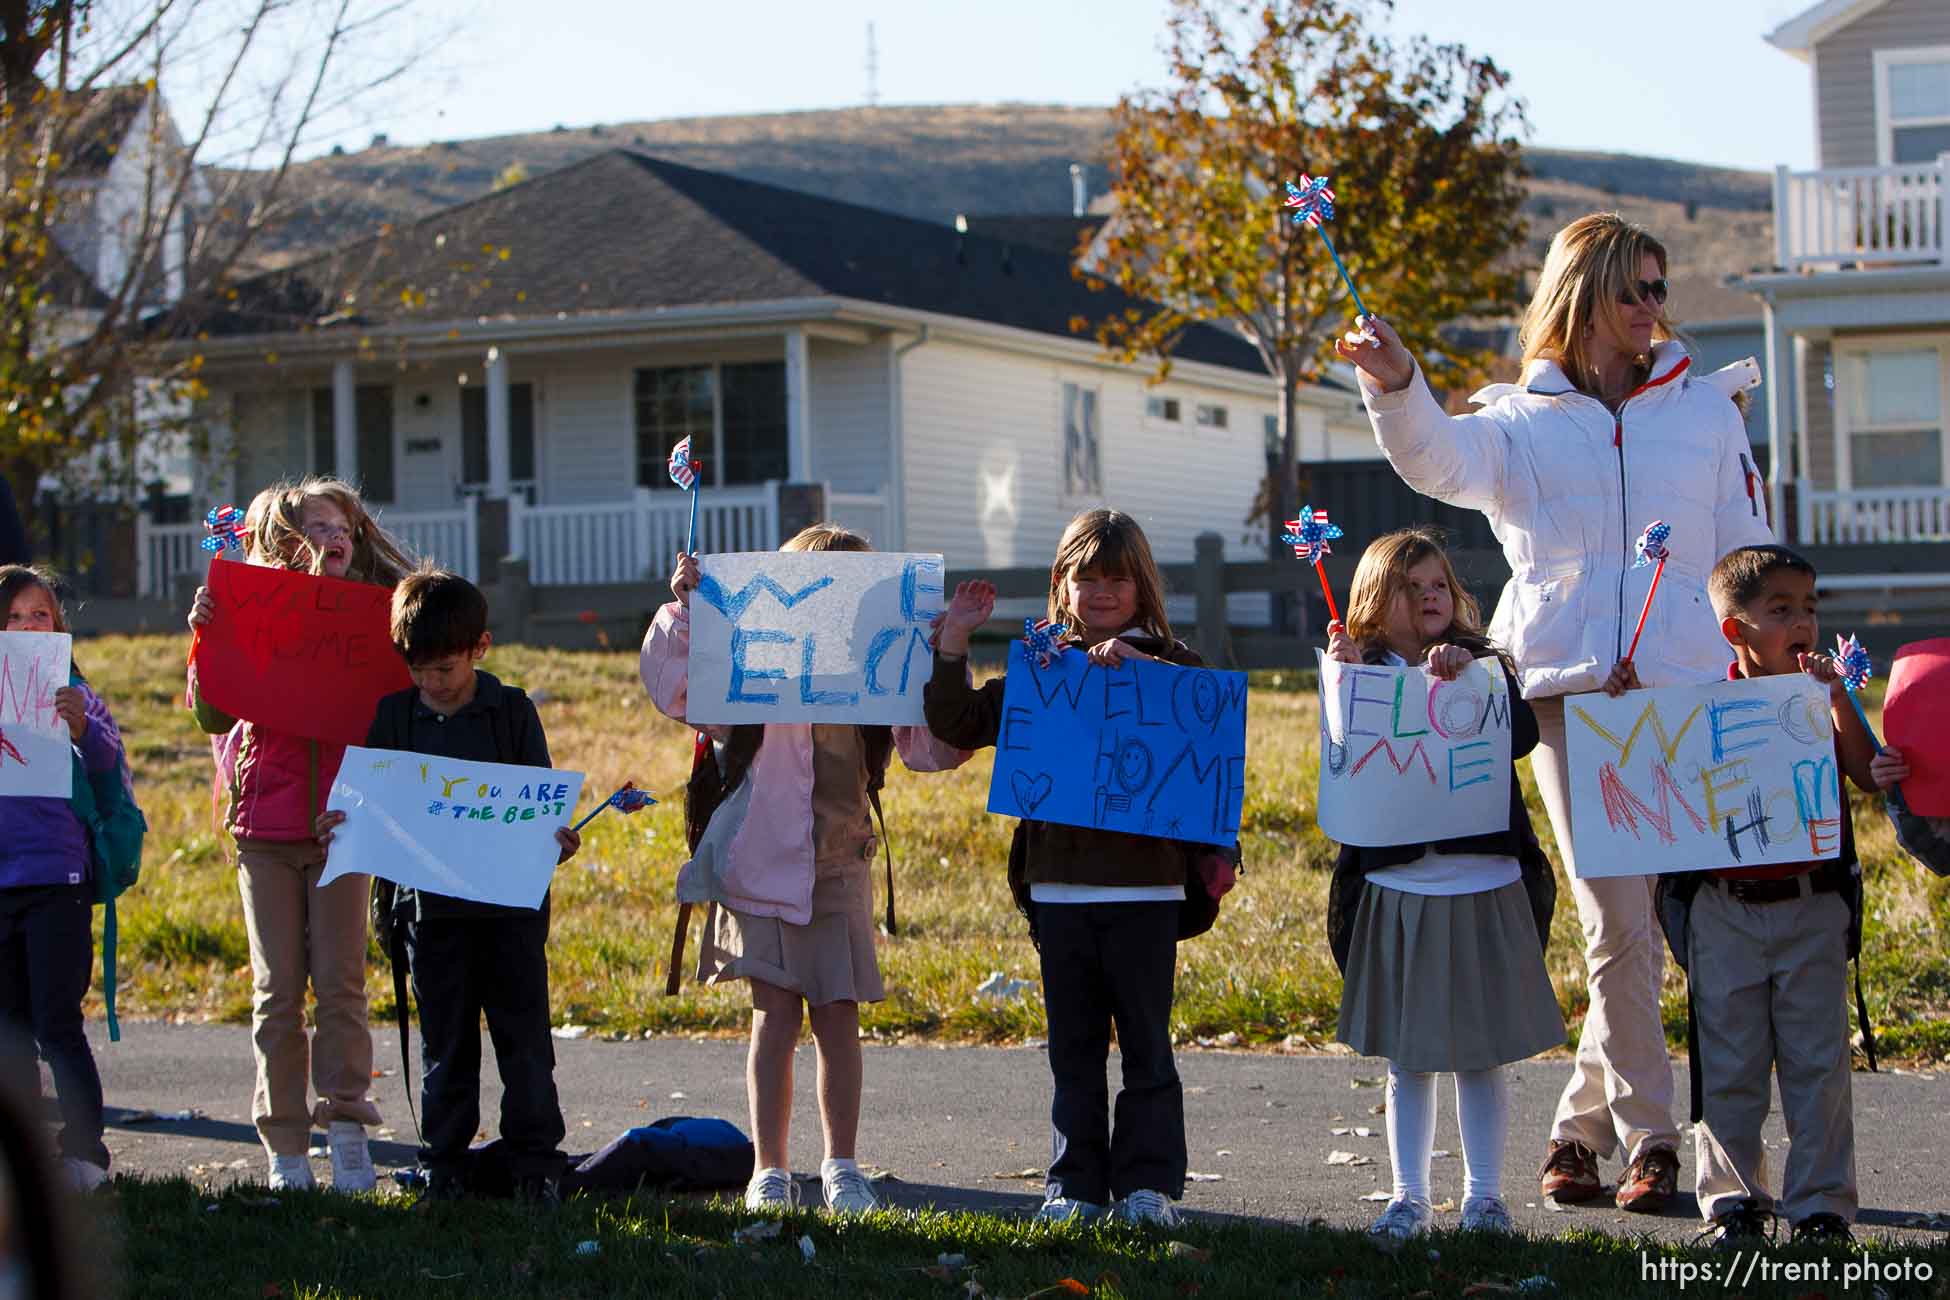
(1262,976)
(191,1243)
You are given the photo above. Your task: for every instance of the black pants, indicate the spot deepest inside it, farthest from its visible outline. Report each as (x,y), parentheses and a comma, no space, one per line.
(47,959)
(464,967)
(1105,964)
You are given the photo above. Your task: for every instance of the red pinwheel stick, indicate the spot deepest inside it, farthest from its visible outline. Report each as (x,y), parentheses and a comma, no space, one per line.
(1649,593)
(1333,611)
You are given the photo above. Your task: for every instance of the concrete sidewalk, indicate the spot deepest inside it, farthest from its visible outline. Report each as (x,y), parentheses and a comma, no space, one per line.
(967,1127)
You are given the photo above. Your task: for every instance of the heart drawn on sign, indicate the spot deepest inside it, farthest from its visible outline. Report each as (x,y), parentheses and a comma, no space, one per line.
(1030,791)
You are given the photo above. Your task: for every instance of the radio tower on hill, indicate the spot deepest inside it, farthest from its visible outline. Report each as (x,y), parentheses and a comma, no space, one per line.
(873,70)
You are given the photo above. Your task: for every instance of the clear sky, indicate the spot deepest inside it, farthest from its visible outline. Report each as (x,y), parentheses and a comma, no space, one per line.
(1693,81)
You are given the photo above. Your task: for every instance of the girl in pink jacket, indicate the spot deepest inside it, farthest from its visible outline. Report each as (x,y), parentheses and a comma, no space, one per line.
(786,863)
(300,932)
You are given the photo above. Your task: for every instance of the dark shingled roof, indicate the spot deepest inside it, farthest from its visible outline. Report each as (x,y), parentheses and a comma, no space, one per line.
(622,232)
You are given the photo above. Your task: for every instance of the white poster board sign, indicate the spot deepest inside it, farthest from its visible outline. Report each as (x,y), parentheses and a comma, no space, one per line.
(481,831)
(36,748)
(1406,758)
(1729,774)
(812,636)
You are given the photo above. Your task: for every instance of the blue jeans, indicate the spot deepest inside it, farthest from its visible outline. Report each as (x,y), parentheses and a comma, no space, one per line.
(1110,964)
(47,959)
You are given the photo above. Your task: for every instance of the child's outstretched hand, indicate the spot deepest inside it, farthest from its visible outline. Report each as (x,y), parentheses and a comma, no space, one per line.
(970,607)
(683,578)
(1448,661)
(1215,869)
(1889,767)
(1624,677)
(1340,645)
(571,843)
(1114,653)
(1385,361)
(203,608)
(322,828)
(71,706)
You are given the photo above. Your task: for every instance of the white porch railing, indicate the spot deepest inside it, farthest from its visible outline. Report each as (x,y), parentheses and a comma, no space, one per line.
(164,552)
(637,539)
(1875,515)
(1860,214)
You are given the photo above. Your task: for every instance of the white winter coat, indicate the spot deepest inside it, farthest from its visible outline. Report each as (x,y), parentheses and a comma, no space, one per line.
(1568,489)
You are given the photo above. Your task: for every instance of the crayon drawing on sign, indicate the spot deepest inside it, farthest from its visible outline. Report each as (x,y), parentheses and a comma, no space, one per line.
(480,831)
(1727,774)
(1406,758)
(36,748)
(1148,748)
(812,636)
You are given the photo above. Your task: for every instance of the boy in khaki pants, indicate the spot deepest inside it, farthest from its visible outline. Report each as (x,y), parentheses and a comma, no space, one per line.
(1767,952)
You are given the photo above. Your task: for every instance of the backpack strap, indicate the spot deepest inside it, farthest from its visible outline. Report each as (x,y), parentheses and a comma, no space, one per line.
(877,751)
(401,720)
(1862,1016)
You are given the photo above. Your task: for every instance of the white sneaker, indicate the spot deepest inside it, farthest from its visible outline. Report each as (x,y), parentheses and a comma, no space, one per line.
(351,1157)
(845,1189)
(1064,1209)
(1405,1217)
(81,1175)
(292,1174)
(771,1189)
(1487,1214)
(1145,1206)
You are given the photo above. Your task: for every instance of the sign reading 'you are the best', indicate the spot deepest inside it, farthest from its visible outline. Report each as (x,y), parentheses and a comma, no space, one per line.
(812,636)
(1730,774)
(1407,758)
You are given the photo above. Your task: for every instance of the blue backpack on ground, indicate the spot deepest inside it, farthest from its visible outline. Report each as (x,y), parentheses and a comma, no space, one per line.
(679,1153)
(106,810)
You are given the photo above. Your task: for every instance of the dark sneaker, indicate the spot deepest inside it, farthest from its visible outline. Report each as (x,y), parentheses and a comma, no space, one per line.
(1570,1172)
(1822,1230)
(445,1185)
(1649,1182)
(1744,1225)
(539,1191)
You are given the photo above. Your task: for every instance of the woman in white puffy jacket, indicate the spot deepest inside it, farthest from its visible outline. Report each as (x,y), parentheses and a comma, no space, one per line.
(1609,430)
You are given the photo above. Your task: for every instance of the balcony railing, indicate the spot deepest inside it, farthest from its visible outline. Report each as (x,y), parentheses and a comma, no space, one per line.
(1869,515)
(1864,215)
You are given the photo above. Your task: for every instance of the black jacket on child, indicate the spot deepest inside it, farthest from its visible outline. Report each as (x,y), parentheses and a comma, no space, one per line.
(1517,840)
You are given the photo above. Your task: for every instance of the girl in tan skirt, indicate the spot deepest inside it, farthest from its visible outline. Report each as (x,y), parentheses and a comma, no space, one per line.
(1441,946)
(788,860)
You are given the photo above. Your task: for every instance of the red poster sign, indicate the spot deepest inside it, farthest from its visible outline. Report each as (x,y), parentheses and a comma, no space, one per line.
(1916,720)
(300,654)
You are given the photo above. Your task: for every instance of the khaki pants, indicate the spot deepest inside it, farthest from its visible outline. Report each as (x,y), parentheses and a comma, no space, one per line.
(1619,1098)
(299,931)
(1770,993)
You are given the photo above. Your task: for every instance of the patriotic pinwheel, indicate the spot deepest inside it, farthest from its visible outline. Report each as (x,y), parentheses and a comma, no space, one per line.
(627,799)
(1044,639)
(1852,661)
(1312,201)
(1652,550)
(683,472)
(226,528)
(1309,535)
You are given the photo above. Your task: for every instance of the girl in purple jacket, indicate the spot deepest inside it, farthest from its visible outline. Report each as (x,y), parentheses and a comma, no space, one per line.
(47,895)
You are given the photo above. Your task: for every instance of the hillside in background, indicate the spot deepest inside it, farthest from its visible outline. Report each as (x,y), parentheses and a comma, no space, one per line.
(999,159)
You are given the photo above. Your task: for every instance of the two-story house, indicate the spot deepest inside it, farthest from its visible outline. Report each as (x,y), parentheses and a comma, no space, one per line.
(1857,306)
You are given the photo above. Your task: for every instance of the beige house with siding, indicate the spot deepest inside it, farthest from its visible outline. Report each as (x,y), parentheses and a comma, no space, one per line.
(1857,307)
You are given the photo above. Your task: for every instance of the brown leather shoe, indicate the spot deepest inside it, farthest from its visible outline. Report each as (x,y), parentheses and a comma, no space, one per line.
(1650,1181)
(1570,1172)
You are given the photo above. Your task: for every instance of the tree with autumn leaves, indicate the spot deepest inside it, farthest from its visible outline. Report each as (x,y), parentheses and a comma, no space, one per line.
(1419,140)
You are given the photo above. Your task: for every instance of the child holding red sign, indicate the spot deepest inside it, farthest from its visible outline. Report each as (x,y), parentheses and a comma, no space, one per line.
(300,933)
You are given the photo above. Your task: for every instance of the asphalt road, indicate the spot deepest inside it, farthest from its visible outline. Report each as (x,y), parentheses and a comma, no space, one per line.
(967,1126)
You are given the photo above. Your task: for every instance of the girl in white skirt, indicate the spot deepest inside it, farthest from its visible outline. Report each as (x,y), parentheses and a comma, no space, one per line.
(1441,946)
(787,863)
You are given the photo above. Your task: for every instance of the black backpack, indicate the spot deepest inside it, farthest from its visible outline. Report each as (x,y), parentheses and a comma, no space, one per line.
(715,774)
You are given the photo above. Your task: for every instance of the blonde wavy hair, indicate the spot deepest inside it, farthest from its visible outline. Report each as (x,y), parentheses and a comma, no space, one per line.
(826,536)
(274,526)
(1110,543)
(1383,574)
(1591,263)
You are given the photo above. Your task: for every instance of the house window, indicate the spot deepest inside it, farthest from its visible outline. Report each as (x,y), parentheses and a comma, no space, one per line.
(1082,466)
(1913,99)
(1211,417)
(1893,402)
(1162,408)
(474,434)
(372,416)
(745,403)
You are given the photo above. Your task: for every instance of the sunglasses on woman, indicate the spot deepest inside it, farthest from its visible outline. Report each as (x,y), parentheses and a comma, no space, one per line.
(1649,291)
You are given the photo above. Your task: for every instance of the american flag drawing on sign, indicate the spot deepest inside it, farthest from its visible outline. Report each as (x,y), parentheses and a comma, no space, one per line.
(682,472)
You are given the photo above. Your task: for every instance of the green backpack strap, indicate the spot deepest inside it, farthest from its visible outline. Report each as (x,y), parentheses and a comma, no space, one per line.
(81,800)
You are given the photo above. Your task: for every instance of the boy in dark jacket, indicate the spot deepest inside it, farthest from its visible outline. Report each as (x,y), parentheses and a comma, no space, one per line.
(470,958)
